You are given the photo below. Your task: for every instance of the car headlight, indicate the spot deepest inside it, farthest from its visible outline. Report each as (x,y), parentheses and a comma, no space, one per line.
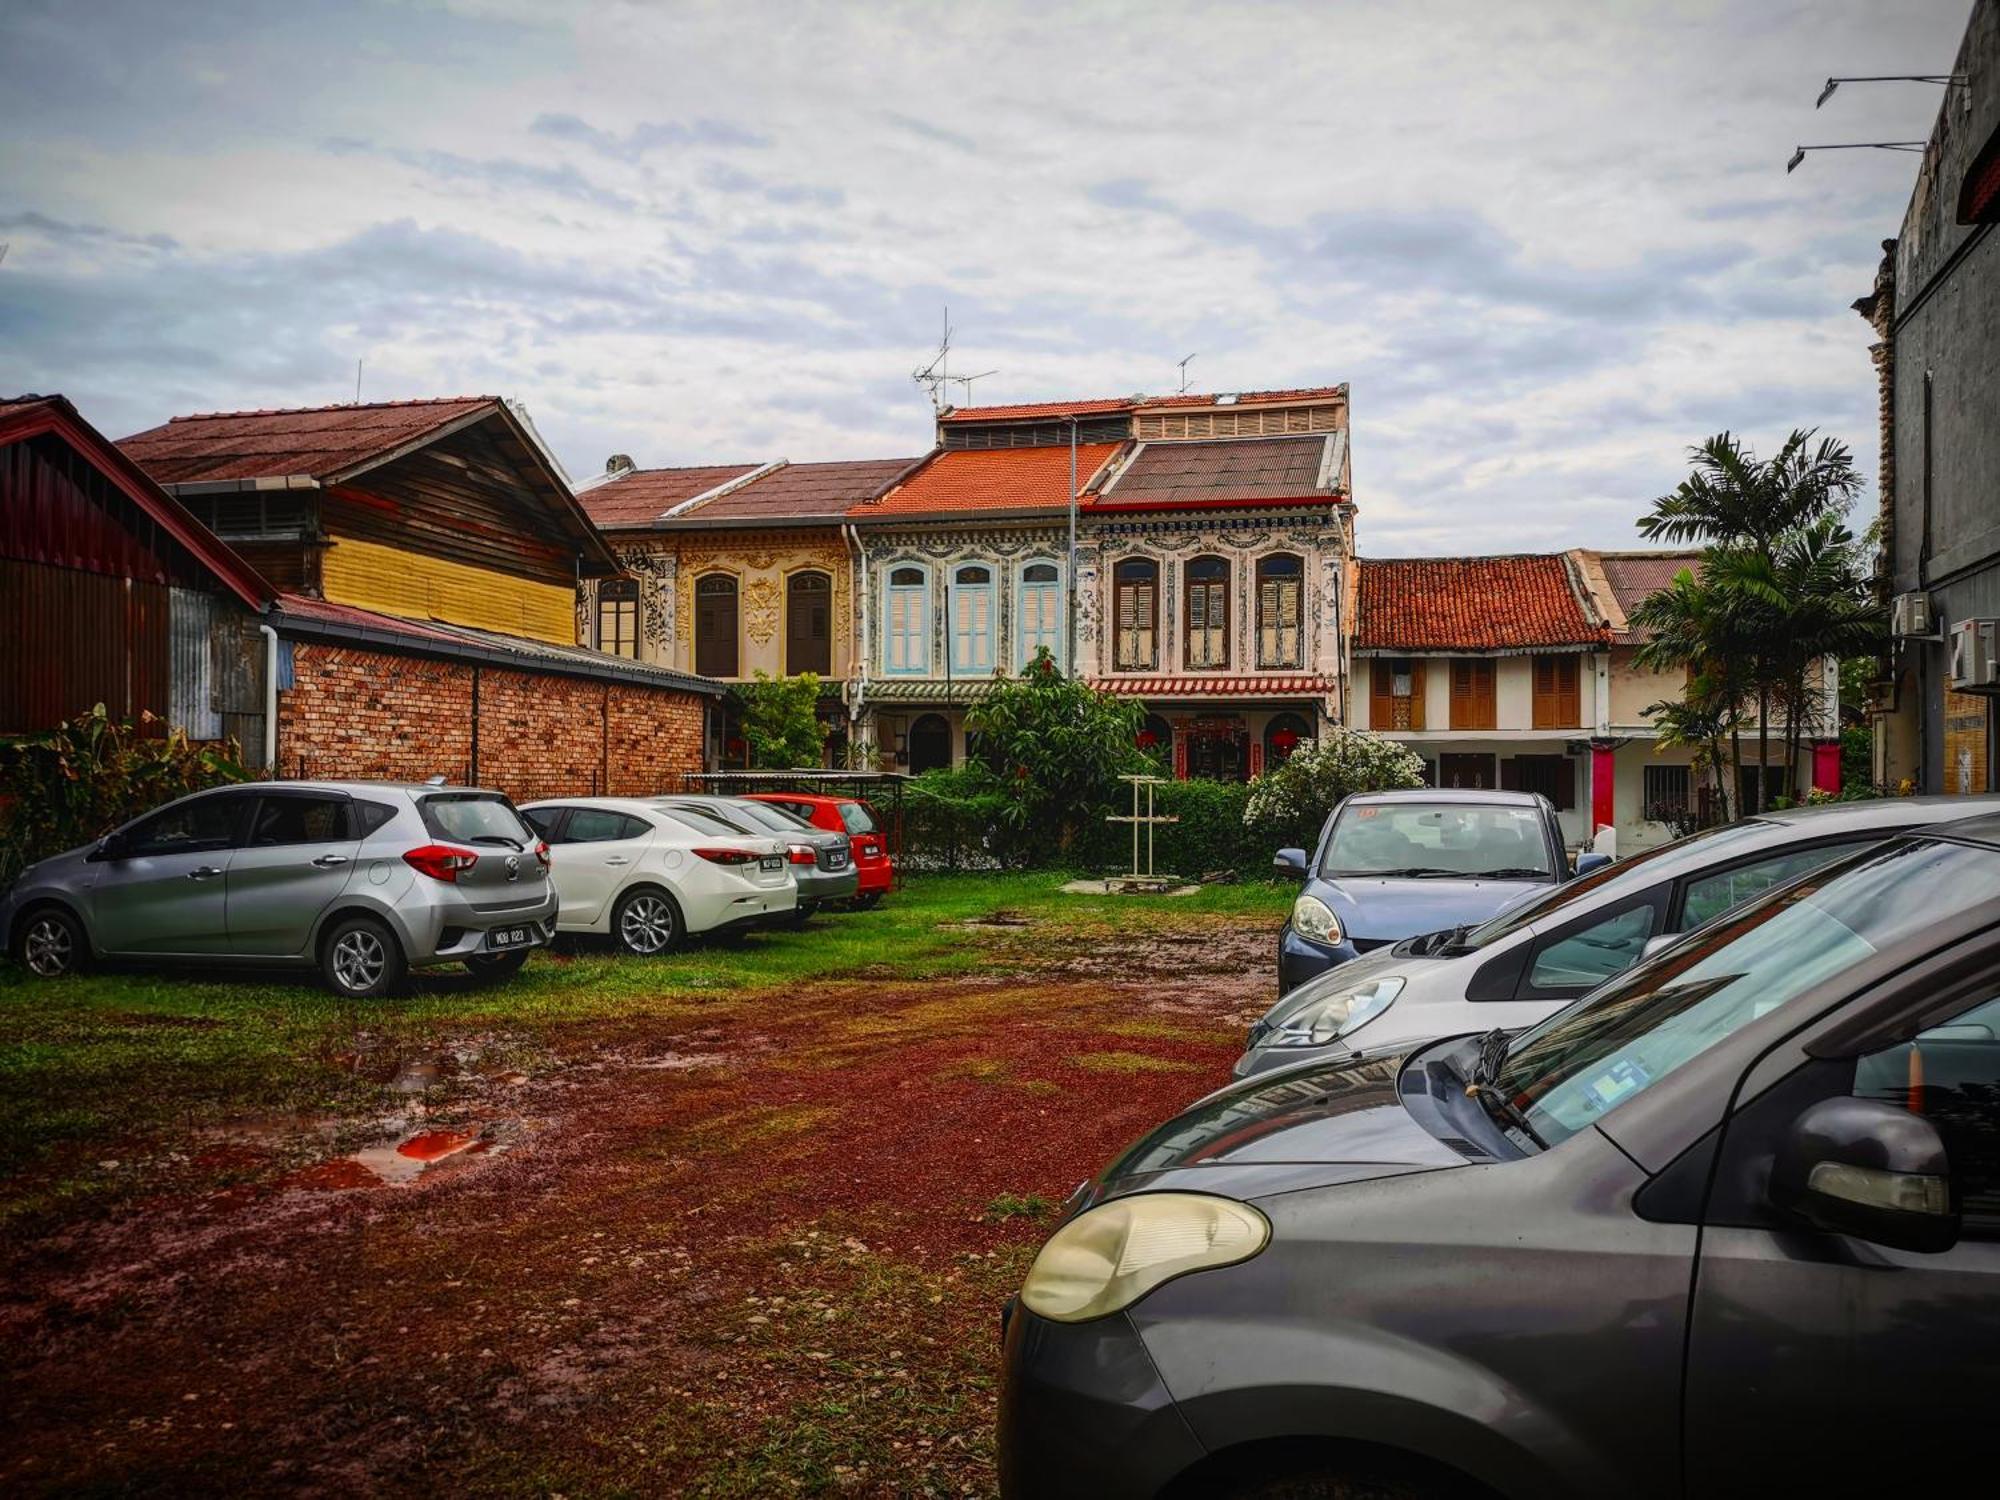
(1313,918)
(1103,1261)
(1335,1015)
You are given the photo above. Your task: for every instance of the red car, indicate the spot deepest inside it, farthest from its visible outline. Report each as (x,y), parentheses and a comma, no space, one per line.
(856,819)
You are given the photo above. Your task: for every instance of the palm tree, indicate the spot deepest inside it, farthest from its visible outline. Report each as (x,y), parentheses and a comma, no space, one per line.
(1749,515)
(1694,625)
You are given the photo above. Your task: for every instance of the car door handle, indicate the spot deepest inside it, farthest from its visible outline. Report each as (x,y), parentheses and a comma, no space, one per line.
(617,859)
(206,872)
(330,861)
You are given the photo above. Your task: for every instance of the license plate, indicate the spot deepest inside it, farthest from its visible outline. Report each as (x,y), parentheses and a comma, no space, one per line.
(771,862)
(512,937)
(836,860)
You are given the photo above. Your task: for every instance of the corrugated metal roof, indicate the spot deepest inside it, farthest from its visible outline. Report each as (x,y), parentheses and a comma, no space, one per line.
(1634,575)
(318,441)
(1222,471)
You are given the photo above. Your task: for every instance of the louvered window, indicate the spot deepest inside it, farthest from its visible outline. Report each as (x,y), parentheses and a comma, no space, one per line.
(1041,612)
(904,650)
(1472,695)
(1135,588)
(715,625)
(808,624)
(1207,613)
(1558,700)
(1280,611)
(618,617)
(972,619)
(1396,694)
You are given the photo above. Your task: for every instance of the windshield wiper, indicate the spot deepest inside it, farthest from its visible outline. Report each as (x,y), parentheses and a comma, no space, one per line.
(496,838)
(1485,1089)
(1514,872)
(1413,872)
(1440,942)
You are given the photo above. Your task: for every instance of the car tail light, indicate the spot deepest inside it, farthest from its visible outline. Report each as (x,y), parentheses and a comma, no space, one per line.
(542,852)
(726,856)
(802,854)
(440,861)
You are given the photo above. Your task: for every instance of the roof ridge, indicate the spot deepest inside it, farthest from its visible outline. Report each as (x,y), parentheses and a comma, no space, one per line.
(299,411)
(1137,399)
(1465,557)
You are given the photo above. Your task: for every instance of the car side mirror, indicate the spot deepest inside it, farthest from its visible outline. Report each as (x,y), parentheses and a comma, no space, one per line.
(1869,1169)
(1659,943)
(1290,864)
(111,846)
(1590,860)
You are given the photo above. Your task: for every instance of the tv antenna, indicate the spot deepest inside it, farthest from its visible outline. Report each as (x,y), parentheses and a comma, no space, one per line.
(357,382)
(1184,380)
(966,381)
(933,377)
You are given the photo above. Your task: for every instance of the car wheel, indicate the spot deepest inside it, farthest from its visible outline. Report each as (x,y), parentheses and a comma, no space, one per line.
(50,943)
(646,922)
(867,900)
(1329,1485)
(360,959)
(491,968)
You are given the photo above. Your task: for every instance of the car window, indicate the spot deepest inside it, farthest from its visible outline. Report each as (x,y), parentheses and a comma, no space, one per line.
(204,823)
(369,816)
(1709,896)
(765,816)
(300,820)
(1584,959)
(1419,839)
(1950,1074)
(1585,1061)
(702,821)
(544,820)
(475,818)
(601,825)
(856,817)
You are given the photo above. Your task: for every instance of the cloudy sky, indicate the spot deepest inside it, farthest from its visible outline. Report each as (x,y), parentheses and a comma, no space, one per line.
(1549,245)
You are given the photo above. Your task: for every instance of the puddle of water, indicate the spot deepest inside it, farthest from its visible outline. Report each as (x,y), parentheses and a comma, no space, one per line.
(676,1061)
(415,1077)
(394,1163)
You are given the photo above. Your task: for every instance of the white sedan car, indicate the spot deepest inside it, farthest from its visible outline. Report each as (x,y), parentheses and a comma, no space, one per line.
(650,878)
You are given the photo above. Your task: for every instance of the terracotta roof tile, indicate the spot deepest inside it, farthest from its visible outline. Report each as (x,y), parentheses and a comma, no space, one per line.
(1472,604)
(804,492)
(318,441)
(981,481)
(1251,398)
(639,496)
(1221,472)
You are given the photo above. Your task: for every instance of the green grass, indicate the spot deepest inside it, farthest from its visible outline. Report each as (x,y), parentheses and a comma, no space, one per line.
(99,1067)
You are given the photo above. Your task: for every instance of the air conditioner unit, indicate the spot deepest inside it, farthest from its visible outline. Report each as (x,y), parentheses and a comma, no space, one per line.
(1975,663)
(1910,616)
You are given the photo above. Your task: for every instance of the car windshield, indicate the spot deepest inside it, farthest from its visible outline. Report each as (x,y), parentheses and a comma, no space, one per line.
(1633,874)
(476,818)
(1433,839)
(856,817)
(1585,1061)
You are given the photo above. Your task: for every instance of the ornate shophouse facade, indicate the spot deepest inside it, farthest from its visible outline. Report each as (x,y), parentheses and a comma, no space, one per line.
(1212,572)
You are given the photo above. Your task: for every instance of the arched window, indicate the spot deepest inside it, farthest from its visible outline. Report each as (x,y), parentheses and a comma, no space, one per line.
(906,634)
(930,744)
(1041,612)
(1135,586)
(1207,581)
(808,624)
(1281,610)
(1284,734)
(618,616)
(715,625)
(972,619)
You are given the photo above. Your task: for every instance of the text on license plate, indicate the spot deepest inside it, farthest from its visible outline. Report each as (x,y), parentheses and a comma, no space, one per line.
(771,862)
(511,937)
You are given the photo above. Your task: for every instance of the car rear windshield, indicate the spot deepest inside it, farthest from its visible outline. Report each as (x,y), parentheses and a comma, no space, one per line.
(701,820)
(1583,1062)
(857,817)
(475,818)
(765,816)
(1439,839)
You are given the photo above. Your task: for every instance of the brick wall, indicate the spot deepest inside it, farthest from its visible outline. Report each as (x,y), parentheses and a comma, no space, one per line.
(368,715)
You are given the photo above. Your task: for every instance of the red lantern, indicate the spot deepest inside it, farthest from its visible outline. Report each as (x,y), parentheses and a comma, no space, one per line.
(1284,740)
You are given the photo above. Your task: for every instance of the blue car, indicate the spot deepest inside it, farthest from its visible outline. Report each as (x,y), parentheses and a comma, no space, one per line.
(1392,865)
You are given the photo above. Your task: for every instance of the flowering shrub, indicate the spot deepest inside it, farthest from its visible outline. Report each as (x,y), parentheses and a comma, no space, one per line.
(1289,805)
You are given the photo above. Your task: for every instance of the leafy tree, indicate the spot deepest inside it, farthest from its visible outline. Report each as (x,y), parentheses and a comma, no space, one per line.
(781,723)
(1782,577)
(1290,804)
(1056,747)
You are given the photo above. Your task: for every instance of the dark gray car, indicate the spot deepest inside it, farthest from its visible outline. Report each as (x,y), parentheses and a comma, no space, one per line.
(1728,1225)
(822,862)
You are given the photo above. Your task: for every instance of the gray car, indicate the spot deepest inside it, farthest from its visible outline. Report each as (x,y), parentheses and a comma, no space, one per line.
(1728,1226)
(362,880)
(1542,952)
(822,862)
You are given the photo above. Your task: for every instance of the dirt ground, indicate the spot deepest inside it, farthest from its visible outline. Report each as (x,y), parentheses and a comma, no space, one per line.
(759,1252)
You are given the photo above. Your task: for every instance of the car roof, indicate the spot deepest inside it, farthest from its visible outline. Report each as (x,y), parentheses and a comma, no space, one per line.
(355,788)
(1886,812)
(1983,828)
(830,798)
(609,804)
(1450,794)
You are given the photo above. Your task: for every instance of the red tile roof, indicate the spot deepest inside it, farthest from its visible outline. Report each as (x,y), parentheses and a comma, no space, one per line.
(1025,410)
(1472,604)
(320,441)
(979,481)
(801,492)
(1294,685)
(640,496)
(1228,471)
(1252,398)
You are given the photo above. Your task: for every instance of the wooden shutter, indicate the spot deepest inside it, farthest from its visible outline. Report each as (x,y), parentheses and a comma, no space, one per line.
(1208,624)
(1416,695)
(1381,701)
(1557,698)
(1472,704)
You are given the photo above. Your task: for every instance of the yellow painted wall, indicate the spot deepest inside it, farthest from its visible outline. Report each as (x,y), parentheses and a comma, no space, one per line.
(372,576)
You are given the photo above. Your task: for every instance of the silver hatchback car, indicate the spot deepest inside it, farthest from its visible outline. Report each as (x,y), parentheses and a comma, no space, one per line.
(362,880)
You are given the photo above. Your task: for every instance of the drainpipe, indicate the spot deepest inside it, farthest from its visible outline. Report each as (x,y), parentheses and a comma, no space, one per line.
(862,600)
(1069,634)
(270,699)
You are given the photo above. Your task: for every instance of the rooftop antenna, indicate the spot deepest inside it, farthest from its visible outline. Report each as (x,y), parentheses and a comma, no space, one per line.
(966,381)
(357,382)
(1184,379)
(933,377)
